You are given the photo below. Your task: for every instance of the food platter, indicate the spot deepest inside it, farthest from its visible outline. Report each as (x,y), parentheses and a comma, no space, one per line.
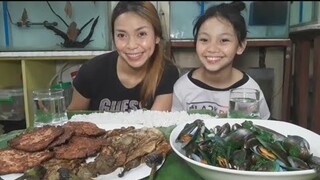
(217,173)
(139,172)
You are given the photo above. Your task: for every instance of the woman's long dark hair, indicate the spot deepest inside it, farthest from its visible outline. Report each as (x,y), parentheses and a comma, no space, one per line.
(156,64)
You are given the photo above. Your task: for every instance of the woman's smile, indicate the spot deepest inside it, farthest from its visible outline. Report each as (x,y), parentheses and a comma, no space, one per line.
(134,56)
(213,59)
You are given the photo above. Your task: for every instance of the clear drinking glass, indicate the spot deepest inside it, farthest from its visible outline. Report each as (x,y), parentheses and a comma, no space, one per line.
(49,107)
(244,103)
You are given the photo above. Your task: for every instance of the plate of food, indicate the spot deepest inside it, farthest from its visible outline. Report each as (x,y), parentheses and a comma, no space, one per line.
(248,149)
(98,151)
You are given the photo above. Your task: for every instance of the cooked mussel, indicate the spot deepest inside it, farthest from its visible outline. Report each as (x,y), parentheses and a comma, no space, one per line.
(276,148)
(223,130)
(246,146)
(314,163)
(238,137)
(297,164)
(190,130)
(240,159)
(297,146)
(192,136)
(276,136)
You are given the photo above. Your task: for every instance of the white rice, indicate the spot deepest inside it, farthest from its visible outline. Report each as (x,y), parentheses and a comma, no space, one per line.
(141,117)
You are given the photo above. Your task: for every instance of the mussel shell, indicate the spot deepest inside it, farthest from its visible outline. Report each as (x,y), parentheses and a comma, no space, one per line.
(262,151)
(238,137)
(275,135)
(314,162)
(251,142)
(216,130)
(240,160)
(297,146)
(277,149)
(223,130)
(297,164)
(189,128)
(235,126)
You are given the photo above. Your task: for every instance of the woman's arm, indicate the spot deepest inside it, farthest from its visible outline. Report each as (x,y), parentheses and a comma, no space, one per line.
(162,102)
(78,102)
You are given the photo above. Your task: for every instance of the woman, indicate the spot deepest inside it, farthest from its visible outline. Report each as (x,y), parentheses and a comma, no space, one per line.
(136,75)
(219,35)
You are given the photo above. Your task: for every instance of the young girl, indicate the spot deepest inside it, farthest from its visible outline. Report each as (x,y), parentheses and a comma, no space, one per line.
(219,35)
(136,75)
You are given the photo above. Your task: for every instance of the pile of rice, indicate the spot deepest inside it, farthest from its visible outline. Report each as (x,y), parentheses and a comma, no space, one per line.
(142,117)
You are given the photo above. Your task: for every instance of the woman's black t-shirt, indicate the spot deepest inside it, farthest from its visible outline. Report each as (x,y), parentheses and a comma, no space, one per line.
(97,80)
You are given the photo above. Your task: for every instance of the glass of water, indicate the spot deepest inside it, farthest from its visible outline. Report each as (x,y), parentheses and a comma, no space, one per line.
(244,103)
(49,107)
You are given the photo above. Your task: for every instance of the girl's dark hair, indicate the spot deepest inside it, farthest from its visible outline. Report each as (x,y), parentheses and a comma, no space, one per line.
(228,11)
(146,10)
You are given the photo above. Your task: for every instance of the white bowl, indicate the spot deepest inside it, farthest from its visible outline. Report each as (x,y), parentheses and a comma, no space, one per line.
(210,172)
